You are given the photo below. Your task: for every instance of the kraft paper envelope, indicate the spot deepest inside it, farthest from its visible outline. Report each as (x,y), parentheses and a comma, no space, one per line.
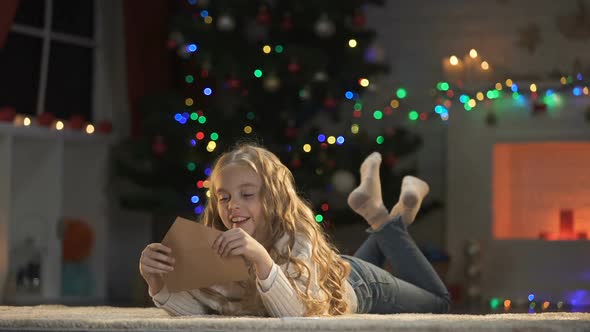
(197,264)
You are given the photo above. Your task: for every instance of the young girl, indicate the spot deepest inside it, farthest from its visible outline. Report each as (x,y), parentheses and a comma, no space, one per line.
(294,270)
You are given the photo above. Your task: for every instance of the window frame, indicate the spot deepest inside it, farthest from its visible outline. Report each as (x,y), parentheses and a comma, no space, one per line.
(94,43)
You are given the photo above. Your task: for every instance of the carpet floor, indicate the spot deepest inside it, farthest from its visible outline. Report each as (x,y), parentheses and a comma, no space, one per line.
(63,318)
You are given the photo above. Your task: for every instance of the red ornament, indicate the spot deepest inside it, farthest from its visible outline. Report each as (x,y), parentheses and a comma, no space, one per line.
(329,103)
(233,83)
(7,114)
(46,119)
(294,67)
(105,127)
(359,20)
(539,108)
(76,122)
(171,44)
(78,239)
(296,163)
(391,160)
(291,132)
(390,131)
(263,17)
(287,23)
(159,147)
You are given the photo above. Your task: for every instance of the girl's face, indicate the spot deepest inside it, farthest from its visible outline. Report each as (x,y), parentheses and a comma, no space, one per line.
(239,201)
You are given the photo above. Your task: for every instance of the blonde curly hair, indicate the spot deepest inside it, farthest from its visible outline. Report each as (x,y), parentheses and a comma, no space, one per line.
(286,213)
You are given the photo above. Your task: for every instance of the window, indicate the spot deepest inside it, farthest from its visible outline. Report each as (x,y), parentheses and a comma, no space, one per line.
(47,64)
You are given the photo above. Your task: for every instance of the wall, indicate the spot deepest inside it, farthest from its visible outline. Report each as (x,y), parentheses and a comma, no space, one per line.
(456,158)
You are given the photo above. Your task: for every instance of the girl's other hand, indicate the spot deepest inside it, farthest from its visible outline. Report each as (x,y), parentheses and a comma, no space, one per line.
(156,260)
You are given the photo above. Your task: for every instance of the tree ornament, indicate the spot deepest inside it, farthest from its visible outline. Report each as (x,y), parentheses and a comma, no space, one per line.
(174,39)
(256,32)
(287,22)
(171,44)
(183,52)
(390,131)
(263,17)
(330,103)
(233,83)
(331,164)
(373,87)
(158,146)
(390,160)
(358,19)
(294,67)
(272,83)
(305,93)
(343,181)
(226,23)
(296,163)
(324,27)
(291,132)
(205,68)
(320,76)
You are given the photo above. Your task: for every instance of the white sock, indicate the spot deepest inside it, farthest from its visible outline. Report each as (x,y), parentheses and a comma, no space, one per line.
(410,199)
(366,199)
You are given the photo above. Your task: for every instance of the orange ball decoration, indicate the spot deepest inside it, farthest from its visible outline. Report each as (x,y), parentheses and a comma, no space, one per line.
(78,240)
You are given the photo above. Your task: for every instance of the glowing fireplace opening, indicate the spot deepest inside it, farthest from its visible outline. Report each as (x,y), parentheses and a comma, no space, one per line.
(541,191)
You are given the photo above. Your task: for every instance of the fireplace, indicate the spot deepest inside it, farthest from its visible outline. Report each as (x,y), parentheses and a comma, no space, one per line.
(541,191)
(521,189)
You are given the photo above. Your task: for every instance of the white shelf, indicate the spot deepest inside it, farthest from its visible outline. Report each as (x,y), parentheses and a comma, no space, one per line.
(46,176)
(9,129)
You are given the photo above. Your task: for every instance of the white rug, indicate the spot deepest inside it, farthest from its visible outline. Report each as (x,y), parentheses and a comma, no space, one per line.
(62,318)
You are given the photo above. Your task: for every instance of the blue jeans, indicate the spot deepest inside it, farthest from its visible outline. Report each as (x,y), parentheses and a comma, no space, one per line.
(415,288)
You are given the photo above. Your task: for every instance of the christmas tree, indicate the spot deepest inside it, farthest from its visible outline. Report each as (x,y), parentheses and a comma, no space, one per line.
(290,75)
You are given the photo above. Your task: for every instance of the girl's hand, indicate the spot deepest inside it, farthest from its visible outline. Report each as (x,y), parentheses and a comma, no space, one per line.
(155,260)
(237,242)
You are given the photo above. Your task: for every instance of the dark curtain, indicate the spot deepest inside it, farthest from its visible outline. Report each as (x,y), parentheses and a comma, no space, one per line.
(7,11)
(148,65)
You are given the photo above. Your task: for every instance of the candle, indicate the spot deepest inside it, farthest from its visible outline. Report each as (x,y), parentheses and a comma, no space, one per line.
(453,69)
